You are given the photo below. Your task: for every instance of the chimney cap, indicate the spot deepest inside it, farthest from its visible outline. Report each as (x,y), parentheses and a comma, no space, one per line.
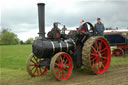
(41,4)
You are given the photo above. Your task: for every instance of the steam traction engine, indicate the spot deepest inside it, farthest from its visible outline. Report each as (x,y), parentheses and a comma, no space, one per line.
(60,52)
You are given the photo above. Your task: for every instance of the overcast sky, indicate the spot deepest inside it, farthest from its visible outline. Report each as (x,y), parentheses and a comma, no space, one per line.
(21,15)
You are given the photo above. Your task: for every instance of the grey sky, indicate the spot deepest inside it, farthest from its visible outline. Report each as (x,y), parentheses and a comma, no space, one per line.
(21,15)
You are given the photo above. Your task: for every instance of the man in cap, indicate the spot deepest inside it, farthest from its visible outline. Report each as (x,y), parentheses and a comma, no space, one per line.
(99,28)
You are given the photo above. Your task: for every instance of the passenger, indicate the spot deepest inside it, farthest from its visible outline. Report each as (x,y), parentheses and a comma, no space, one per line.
(99,28)
(64,29)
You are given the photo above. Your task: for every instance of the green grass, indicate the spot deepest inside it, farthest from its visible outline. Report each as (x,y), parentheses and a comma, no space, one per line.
(119,60)
(13,63)
(14,56)
(13,60)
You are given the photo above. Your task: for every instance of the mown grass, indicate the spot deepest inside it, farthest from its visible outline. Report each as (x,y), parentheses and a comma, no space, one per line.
(14,56)
(13,64)
(119,60)
(13,60)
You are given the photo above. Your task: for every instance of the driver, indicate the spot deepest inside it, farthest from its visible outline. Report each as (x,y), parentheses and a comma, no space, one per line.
(55,32)
(83,26)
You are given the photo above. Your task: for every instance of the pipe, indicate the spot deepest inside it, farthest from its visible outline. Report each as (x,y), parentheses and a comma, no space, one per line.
(41,18)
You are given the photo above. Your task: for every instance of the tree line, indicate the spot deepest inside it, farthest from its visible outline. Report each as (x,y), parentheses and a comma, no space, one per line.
(9,38)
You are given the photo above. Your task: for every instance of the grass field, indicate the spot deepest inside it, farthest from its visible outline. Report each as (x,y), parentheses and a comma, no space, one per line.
(13,60)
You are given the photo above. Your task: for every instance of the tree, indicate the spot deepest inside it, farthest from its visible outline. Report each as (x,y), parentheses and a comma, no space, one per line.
(8,38)
(21,42)
(29,41)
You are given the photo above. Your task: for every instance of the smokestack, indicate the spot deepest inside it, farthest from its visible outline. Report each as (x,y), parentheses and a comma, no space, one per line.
(41,17)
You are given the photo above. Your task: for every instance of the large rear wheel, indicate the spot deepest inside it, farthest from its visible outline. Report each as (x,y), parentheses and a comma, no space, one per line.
(96,55)
(33,68)
(61,66)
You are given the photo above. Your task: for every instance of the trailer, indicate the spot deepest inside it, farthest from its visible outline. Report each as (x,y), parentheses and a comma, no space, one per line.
(120,41)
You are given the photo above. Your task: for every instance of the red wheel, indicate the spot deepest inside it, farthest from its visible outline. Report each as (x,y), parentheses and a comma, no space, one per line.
(118,52)
(61,66)
(33,68)
(96,55)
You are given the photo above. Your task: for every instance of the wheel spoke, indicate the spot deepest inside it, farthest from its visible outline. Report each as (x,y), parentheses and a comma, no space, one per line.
(35,71)
(94,66)
(102,53)
(57,68)
(58,71)
(102,65)
(98,69)
(40,70)
(103,49)
(33,68)
(94,49)
(57,64)
(104,57)
(66,61)
(96,46)
(58,60)
(59,74)
(32,61)
(66,68)
(31,65)
(67,64)
(99,64)
(101,60)
(93,54)
(36,59)
(61,59)
(100,45)
(93,59)
(62,73)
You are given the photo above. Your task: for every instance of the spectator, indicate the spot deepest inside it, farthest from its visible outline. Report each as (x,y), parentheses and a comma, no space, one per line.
(99,28)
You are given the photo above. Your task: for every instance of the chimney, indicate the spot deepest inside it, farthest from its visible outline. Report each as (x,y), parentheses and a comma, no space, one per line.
(41,17)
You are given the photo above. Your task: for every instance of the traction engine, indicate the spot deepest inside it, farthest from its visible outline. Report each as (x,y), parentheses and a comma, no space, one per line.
(60,52)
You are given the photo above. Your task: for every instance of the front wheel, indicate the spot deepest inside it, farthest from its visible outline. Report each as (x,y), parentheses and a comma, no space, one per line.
(33,68)
(61,66)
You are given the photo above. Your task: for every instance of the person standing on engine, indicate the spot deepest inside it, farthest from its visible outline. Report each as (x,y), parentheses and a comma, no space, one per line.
(83,26)
(99,28)
(81,22)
